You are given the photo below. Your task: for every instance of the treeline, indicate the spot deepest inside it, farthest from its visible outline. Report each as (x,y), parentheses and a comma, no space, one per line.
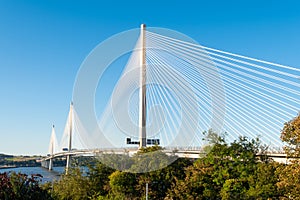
(27,161)
(227,171)
(18,161)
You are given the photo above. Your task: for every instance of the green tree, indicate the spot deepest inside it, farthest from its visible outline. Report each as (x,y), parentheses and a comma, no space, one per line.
(161,180)
(123,184)
(73,186)
(226,172)
(121,162)
(234,189)
(98,177)
(197,183)
(263,183)
(150,159)
(158,170)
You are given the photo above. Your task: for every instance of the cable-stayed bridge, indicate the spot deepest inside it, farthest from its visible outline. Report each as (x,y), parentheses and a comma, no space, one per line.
(172,89)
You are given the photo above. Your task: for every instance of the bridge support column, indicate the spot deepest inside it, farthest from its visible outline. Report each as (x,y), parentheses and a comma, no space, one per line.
(51,148)
(50,164)
(142,94)
(68,163)
(45,164)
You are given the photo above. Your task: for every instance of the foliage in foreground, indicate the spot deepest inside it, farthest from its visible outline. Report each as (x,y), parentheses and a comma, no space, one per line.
(289,175)
(19,186)
(228,171)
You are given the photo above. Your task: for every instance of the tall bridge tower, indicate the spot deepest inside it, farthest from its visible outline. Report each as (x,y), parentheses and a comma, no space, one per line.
(142,90)
(70,137)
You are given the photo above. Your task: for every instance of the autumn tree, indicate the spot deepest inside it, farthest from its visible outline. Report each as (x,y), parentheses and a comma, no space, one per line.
(289,175)
(289,180)
(227,172)
(20,186)
(290,134)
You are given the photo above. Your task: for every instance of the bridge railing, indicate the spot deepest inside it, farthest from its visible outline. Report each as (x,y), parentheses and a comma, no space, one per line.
(180,149)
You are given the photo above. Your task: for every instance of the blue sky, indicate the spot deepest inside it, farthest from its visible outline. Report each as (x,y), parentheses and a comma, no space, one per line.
(43,43)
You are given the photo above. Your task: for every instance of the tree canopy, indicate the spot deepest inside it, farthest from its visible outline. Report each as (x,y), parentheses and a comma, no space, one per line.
(227,171)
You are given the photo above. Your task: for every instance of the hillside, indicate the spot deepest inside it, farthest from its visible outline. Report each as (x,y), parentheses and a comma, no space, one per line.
(9,161)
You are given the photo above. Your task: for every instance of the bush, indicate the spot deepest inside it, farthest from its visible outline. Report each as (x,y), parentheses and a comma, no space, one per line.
(21,187)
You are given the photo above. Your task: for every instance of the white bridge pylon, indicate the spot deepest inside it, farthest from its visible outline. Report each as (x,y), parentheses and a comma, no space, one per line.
(192,88)
(189,89)
(73,137)
(53,145)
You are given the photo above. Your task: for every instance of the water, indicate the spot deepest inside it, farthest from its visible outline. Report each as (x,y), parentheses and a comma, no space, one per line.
(48,176)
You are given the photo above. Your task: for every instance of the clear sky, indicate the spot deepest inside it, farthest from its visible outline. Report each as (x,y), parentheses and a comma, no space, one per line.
(42,45)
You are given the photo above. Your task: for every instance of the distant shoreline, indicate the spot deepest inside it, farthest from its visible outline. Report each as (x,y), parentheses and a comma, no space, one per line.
(8,166)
